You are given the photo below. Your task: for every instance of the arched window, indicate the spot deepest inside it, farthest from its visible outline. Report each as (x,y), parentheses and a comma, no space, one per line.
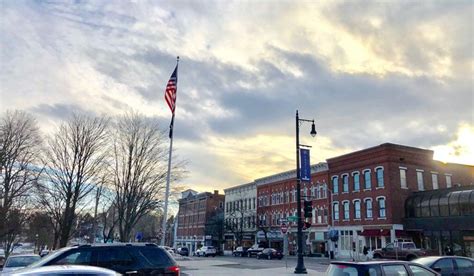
(368,208)
(367,180)
(356,179)
(346,210)
(335,185)
(345,183)
(357,209)
(379,173)
(382,210)
(335,210)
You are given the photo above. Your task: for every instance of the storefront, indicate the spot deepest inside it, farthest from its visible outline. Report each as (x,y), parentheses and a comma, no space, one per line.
(443,218)
(273,239)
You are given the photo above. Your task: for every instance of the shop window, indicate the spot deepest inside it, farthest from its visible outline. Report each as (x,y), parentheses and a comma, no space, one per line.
(425,206)
(443,205)
(464,207)
(379,173)
(454,204)
(434,205)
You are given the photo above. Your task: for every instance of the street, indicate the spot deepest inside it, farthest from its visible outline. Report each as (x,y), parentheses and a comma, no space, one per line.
(228,265)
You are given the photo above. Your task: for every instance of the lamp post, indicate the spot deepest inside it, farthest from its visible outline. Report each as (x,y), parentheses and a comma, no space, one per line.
(300,269)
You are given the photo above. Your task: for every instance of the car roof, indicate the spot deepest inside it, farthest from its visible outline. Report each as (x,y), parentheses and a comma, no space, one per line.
(370,262)
(63,268)
(115,244)
(23,255)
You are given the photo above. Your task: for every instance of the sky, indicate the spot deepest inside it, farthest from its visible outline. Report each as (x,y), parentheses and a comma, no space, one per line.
(367,72)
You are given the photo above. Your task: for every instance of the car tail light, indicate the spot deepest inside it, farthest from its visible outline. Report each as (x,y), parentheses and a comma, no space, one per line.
(174,269)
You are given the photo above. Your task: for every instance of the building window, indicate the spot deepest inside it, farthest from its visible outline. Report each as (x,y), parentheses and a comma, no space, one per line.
(367,180)
(336,211)
(382,212)
(356,177)
(403,178)
(368,208)
(419,178)
(379,173)
(357,209)
(335,185)
(448,181)
(434,179)
(345,183)
(346,210)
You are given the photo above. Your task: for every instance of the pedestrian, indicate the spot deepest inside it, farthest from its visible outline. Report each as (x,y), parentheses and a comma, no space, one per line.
(365,251)
(448,251)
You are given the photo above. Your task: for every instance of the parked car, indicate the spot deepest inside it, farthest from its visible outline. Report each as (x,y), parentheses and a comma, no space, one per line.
(124,258)
(168,249)
(401,251)
(270,253)
(379,268)
(206,251)
(183,251)
(240,251)
(44,252)
(15,262)
(61,270)
(254,250)
(449,265)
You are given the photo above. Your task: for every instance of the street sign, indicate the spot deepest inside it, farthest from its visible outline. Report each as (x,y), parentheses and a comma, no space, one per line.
(284,228)
(292,218)
(305,172)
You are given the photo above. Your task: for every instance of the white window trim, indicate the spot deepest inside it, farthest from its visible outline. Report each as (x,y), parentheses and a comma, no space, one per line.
(378,167)
(355,172)
(420,170)
(403,168)
(379,197)
(366,170)
(357,199)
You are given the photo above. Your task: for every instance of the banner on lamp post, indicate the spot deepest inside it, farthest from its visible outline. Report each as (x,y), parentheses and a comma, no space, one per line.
(305,171)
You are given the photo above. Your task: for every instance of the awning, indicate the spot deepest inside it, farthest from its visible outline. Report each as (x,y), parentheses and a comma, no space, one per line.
(375,232)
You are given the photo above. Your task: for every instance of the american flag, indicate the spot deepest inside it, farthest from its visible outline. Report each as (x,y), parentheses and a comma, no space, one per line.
(170,92)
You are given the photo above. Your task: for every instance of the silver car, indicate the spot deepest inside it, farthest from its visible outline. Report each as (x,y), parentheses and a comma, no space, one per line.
(15,262)
(64,270)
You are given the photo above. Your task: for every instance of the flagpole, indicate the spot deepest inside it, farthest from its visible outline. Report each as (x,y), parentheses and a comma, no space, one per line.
(167,193)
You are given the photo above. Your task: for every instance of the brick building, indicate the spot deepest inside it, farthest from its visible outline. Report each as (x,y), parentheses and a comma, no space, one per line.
(276,200)
(369,189)
(199,215)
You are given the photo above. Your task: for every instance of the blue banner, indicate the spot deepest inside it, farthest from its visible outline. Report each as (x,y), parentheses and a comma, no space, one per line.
(305,171)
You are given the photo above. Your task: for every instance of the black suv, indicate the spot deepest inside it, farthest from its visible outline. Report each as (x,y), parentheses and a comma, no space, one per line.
(125,258)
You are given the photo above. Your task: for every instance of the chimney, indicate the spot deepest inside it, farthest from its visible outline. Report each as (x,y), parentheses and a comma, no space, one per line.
(216,192)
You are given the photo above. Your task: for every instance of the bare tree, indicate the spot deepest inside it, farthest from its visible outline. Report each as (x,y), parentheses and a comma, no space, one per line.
(74,159)
(139,169)
(20,142)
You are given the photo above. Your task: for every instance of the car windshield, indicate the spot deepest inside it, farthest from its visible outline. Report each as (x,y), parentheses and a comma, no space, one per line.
(425,261)
(21,261)
(49,257)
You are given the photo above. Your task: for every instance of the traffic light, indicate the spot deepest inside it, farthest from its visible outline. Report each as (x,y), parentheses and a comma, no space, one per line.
(308,209)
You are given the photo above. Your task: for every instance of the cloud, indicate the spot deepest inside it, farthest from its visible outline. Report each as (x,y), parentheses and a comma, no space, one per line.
(368,73)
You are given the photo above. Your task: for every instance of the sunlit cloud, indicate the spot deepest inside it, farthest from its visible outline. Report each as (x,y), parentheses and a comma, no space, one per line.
(460,150)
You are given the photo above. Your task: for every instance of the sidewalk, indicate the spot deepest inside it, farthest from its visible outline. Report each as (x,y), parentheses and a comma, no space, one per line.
(227,268)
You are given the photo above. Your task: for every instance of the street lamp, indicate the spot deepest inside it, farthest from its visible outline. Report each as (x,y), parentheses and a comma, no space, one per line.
(300,269)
